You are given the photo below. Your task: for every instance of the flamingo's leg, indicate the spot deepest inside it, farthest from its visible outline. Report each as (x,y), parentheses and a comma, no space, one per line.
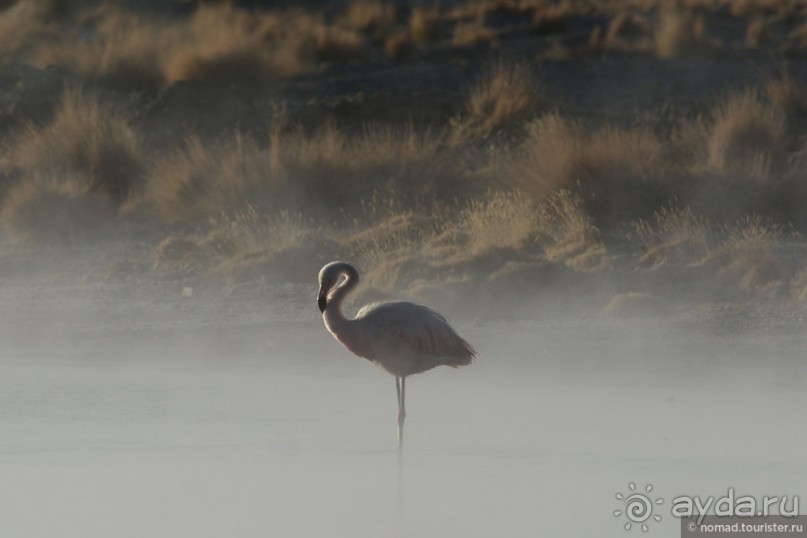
(400,384)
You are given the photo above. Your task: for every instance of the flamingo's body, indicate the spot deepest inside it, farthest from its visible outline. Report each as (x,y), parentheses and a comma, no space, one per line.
(400,337)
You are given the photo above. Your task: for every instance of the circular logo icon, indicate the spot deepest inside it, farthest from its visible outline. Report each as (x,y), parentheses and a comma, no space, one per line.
(637,506)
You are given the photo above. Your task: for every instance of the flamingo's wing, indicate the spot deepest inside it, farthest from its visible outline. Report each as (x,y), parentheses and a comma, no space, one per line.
(414,333)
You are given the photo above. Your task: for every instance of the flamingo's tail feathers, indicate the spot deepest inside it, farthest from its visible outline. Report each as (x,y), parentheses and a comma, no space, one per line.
(466,355)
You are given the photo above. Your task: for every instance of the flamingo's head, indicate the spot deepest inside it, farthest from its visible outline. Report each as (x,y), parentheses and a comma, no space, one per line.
(330,277)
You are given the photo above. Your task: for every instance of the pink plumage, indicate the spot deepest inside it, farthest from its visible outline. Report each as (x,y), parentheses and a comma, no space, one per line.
(402,338)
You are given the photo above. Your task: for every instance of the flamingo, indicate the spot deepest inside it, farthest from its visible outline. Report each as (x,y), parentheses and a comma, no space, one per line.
(400,337)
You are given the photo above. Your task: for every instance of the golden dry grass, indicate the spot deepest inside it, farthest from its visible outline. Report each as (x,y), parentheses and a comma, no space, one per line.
(619,173)
(502,220)
(498,194)
(634,305)
(325,173)
(123,51)
(789,96)
(798,287)
(503,95)
(753,256)
(568,235)
(681,32)
(425,24)
(88,138)
(59,210)
(747,136)
(551,18)
(674,236)
(371,17)
(217,43)
(196,181)
(628,32)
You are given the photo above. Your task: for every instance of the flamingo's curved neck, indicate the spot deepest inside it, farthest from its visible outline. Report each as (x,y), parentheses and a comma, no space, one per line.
(335,320)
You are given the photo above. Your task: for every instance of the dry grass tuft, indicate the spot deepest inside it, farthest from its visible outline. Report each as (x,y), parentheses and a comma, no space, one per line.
(633,305)
(198,182)
(673,237)
(178,255)
(336,171)
(471,34)
(798,287)
(374,18)
(229,46)
(59,210)
(550,19)
(568,236)
(752,255)
(425,24)
(628,32)
(326,173)
(680,33)
(789,96)
(124,50)
(506,92)
(22,25)
(395,248)
(620,174)
(757,33)
(747,136)
(88,138)
(224,45)
(502,220)
(249,231)
(398,45)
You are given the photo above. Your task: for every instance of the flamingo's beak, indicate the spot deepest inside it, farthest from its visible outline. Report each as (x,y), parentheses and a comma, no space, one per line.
(322,302)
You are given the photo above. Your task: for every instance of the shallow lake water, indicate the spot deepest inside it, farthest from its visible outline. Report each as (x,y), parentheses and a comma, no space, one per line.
(292,436)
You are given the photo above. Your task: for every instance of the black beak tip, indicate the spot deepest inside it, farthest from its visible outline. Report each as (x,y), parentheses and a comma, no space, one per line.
(322,302)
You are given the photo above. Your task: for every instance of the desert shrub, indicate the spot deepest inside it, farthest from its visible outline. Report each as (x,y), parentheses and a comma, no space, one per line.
(551,18)
(628,32)
(619,174)
(757,33)
(753,256)
(746,134)
(798,287)
(745,162)
(469,34)
(87,138)
(249,230)
(21,26)
(178,255)
(568,235)
(674,236)
(506,220)
(506,92)
(122,50)
(791,98)
(198,182)
(335,170)
(59,210)
(372,17)
(634,305)
(397,247)
(324,173)
(680,32)
(224,45)
(425,24)
(398,44)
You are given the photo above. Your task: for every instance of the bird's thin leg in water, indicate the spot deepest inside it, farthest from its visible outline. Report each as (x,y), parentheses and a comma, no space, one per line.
(400,384)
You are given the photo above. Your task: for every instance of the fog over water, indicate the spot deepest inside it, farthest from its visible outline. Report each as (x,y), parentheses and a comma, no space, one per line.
(290,435)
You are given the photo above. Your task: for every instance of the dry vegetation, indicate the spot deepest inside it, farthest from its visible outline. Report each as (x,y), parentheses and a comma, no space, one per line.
(515,186)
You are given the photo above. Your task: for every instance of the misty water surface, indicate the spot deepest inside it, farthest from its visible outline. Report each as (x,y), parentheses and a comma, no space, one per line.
(292,436)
